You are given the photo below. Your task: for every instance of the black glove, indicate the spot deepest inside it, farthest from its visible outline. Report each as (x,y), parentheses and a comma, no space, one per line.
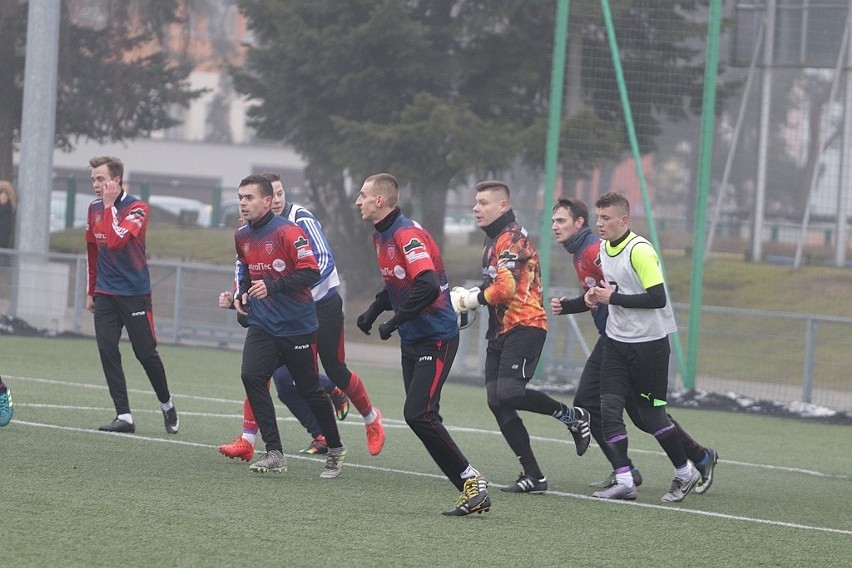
(367,319)
(242,319)
(386,329)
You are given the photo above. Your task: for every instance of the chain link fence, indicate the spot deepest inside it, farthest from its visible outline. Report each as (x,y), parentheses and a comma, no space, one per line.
(776,356)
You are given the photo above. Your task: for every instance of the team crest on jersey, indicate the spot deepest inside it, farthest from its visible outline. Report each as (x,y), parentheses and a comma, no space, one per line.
(413,244)
(303,247)
(246,248)
(391,251)
(98,218)
(268,247)
(415,250)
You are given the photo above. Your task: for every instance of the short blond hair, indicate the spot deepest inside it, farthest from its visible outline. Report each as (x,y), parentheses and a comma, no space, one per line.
(385,184)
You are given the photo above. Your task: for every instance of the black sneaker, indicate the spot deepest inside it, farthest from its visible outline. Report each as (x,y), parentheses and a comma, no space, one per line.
(118,425)
(706,471)
(170,417)
(527,484)
(474,498)
(580,430)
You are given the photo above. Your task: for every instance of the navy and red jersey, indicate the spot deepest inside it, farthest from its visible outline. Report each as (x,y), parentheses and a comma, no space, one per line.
(587,264)
(404,250)
(277,249)
(115,243)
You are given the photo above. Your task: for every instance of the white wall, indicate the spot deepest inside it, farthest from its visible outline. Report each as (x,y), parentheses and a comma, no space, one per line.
(230,163)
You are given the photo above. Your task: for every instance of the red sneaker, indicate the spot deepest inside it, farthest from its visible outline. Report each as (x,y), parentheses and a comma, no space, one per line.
(239,448)
(375,434)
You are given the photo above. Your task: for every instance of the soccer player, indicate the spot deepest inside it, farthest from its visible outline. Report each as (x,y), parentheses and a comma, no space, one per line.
(417,291)
(571,229)
(119,291)
(243,447)
(329,308)
(6,405)
(517,328)
(275,271)
(635,358)
(330,343)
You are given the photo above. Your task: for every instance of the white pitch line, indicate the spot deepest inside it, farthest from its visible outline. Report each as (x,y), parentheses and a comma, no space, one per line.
(349,464)
(401,423)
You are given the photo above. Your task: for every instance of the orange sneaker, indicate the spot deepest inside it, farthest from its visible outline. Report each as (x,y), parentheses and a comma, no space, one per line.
(375,434)
(239,448)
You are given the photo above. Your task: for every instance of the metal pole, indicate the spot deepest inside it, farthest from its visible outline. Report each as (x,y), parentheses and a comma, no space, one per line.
(763,138)
(843,187)
(810,349)
(70,202)
(708,107)
(557,85)
(38,126)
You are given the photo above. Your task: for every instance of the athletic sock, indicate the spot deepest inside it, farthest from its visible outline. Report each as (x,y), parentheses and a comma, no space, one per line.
(469,472)
(126,417)
(249,423)
(624,477)
(684,472)
(167,405)
(370,418)
(358,395)
(250,437)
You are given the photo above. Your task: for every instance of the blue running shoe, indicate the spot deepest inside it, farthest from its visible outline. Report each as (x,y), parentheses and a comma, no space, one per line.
(6,409)
(706,470)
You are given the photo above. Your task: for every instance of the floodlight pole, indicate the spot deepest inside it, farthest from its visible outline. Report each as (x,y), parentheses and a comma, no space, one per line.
(763,137)
(38,128)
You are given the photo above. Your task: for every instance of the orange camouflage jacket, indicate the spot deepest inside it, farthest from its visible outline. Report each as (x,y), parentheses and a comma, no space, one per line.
(511,278)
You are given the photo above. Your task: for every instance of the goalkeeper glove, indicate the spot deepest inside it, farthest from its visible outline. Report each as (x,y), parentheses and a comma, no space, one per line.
(464,300)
